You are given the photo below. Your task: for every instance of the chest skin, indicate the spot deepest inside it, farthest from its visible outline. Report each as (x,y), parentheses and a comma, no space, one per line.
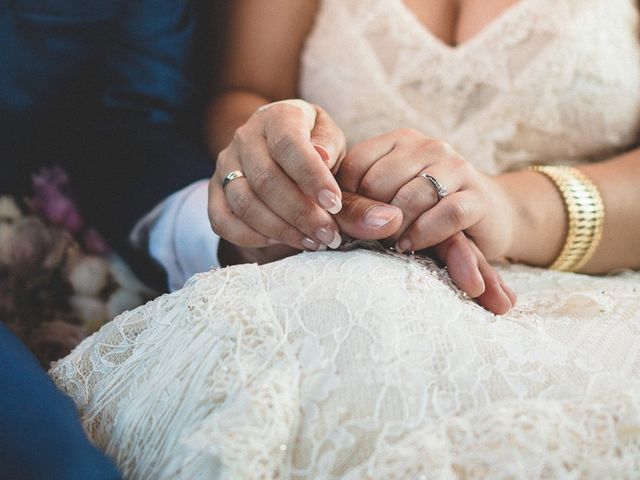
(457,21)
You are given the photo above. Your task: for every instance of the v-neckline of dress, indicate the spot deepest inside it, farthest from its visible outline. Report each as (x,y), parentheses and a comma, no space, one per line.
(497,22)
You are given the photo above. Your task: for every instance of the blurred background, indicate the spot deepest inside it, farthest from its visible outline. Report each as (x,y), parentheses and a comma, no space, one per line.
(100,104)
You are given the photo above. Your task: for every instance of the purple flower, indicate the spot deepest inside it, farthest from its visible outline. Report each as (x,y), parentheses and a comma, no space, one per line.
(52,201)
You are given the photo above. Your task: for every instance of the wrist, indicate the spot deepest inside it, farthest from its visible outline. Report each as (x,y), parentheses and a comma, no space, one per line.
(537,218)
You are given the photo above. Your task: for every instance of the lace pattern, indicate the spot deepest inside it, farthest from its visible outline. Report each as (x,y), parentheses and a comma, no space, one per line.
(181,387)
(532,87)
(362,364)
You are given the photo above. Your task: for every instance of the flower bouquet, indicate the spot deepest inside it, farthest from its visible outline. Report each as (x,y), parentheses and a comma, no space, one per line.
(59,280)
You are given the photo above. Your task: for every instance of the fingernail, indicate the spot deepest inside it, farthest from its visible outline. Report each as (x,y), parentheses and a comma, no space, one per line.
(330,201)
(310,244)
(325,235)
(273,241)
(379,215)
(337,241)
(506,297)
(330,238)
(513,298)
(475,274)
(325,152)
(403,245)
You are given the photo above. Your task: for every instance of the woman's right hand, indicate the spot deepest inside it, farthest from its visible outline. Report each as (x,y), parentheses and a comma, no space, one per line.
(286,151)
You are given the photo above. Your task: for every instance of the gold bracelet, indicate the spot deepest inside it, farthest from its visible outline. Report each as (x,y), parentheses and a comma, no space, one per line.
(585,212)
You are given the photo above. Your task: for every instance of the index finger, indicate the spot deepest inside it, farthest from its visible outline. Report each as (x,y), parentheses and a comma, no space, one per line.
(289,143)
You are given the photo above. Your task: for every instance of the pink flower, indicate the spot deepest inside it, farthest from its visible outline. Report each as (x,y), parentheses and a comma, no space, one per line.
(52,201)
(54,176)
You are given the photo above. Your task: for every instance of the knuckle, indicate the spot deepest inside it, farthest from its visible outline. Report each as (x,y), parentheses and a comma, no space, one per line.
(455,214)
(283,108)
(350,166)
(283,145)
(283,113)
(307,172)
(370,185)
(241,205)
(262,179)
(454,243)
(300,217)
(448,150)
(408,132)
(222,158)
(282,232)
(405,197)
(217,223)
(458,162)
(435,146)
(410,198)
(242,134)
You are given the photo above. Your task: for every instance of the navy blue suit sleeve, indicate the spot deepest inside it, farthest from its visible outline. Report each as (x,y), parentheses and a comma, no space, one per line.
(40,434)
(146,61)
(146,143)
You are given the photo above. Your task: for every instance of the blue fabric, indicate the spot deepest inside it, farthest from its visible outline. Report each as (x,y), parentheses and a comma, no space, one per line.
(140,49)
(40,435)
(101,87)
(72,69)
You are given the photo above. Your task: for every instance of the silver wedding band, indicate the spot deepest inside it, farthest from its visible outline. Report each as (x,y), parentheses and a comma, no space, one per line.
(230,177)
(440,190)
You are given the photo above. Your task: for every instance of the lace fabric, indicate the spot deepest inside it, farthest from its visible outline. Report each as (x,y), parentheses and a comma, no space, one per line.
(369,365)
(366,365)
(548,81)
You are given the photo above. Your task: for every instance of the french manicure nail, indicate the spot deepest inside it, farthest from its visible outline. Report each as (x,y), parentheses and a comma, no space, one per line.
(403,245)
(337,240)
(325,235)
(379,215)
(310,244)
(330,201)
(330,238)
(477,277)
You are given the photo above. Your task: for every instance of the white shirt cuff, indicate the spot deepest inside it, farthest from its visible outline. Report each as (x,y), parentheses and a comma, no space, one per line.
(178,235)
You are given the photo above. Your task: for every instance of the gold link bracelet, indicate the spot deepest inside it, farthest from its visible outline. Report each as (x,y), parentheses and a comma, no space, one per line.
(585,212)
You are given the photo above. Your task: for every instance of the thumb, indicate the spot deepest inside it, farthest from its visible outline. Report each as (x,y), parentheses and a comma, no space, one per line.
(366,219)
(328,140)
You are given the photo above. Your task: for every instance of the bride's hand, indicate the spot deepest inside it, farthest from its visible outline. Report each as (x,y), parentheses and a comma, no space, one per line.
(360,217)
(472,273)
(286,151)
(387,168)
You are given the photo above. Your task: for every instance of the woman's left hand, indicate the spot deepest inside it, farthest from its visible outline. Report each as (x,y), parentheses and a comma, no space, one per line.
(388,168)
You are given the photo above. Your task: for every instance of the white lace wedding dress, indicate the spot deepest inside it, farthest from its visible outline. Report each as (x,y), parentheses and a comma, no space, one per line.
(371,365)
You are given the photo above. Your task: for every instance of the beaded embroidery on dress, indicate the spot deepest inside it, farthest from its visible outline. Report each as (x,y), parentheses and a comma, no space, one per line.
(367,365)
